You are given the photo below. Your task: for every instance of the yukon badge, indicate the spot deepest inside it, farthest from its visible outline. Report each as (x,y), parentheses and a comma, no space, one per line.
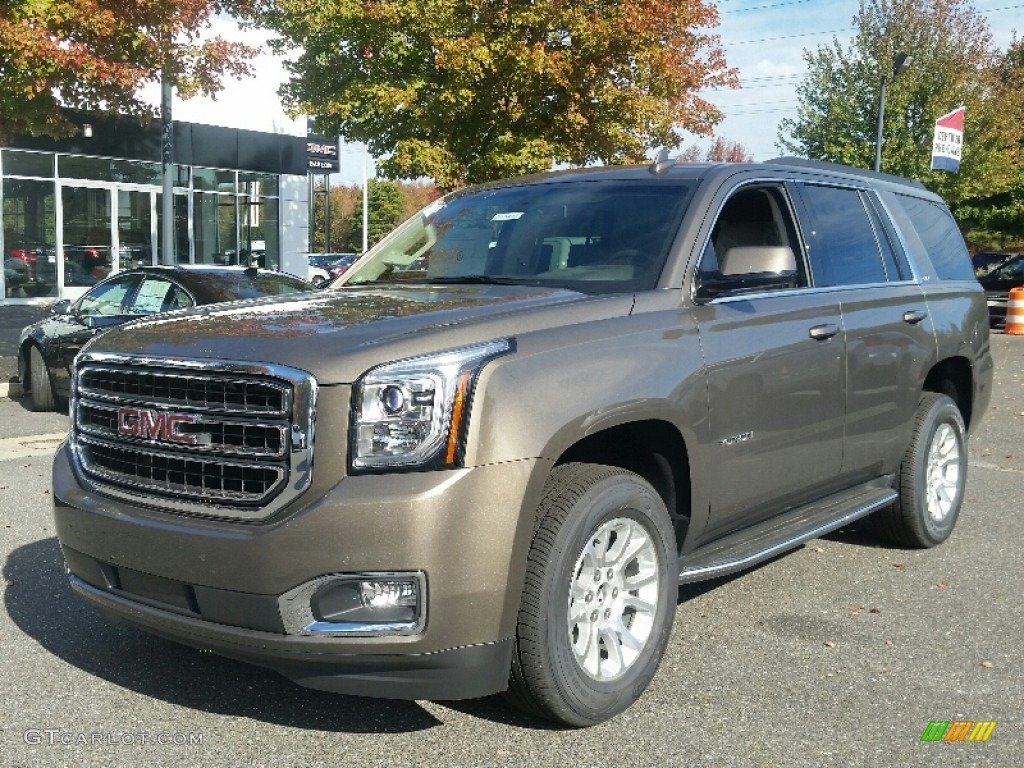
(155,425)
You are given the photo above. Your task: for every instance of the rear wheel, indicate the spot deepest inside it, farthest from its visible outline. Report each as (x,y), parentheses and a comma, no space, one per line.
(42,386)
(599,598)
(931,479)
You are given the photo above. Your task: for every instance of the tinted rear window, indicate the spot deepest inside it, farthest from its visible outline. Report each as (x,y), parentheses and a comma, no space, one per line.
(232,286)
(844,250)
(939,235)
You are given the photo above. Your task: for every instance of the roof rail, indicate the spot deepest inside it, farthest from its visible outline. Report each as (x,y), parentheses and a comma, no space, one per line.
(821,165)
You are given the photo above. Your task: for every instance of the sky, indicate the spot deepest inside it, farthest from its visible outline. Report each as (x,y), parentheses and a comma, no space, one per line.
(766,39)
(763,39)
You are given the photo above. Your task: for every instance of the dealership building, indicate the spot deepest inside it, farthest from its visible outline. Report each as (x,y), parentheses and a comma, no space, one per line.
(78,209)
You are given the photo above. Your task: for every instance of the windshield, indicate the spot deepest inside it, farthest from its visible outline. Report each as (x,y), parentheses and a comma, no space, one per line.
(590,236)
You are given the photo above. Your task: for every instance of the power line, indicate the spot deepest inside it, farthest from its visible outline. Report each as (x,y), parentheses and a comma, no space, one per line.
(791,37)
(756,8)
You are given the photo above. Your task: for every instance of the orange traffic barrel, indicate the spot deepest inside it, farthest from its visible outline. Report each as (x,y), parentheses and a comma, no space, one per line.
(1015,312)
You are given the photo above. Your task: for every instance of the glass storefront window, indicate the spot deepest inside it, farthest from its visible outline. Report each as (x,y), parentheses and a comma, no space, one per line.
(111,219)
(258,184)
(180,227)
(134,229)
(87,252)
(27,163)
(214,227)
(30,233)
(212,180)
(104,169)
(258,232)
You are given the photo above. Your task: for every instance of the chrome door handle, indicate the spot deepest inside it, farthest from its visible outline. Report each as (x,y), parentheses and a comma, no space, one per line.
(914,316)
(823,332)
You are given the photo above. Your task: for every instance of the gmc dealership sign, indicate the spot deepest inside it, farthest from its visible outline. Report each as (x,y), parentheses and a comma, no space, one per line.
(321,154)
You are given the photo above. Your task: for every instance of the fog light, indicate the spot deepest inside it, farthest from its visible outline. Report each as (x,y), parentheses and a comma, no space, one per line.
(388,594)
(357,604)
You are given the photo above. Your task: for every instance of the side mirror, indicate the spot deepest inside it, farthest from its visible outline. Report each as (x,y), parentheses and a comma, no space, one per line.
(103,321)
(61,307)
(751,268)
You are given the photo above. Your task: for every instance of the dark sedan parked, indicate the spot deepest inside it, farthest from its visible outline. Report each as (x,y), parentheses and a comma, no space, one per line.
(47,348)
(997,285)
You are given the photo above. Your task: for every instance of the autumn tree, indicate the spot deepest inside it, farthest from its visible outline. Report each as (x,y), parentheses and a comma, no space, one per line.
(95,55)
(722,150)
(954,63)
(470,90)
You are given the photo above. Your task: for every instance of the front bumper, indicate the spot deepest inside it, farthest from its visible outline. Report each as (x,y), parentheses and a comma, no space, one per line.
(216,585)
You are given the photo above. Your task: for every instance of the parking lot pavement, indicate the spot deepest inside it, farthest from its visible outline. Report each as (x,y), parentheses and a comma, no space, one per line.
(839,653)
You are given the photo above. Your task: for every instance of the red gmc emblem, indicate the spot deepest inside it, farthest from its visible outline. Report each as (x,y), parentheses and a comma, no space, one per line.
(155,425)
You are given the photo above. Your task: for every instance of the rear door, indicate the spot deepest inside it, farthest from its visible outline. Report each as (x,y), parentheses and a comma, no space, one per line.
(889,334)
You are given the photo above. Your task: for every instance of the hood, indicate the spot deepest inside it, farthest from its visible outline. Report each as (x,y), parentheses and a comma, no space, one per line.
(337,335)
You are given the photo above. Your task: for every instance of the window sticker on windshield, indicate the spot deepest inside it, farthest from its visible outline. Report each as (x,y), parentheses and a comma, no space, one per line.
(431,209)
(510,216)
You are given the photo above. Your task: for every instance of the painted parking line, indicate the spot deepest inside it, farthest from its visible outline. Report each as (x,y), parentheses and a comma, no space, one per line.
(30,445)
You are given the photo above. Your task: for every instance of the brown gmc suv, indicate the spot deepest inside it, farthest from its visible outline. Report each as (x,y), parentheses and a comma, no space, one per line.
(487,458)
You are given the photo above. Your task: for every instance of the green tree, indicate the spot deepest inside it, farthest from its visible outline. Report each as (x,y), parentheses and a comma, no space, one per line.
(954,64)
(389,204)
(95,54)
(995,220)
(471,90)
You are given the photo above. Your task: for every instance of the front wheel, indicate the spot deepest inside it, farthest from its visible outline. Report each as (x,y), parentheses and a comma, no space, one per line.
(931,479)
(42,386)
(599,597)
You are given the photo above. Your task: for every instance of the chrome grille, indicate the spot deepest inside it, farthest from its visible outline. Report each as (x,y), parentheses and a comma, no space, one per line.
(228,440)
(185,390)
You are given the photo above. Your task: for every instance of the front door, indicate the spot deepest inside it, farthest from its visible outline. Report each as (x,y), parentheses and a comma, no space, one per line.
(774,369)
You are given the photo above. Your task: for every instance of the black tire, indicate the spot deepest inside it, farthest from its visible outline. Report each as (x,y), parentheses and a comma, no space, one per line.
(42,387)
(318,281)
(585,510)
(931,478)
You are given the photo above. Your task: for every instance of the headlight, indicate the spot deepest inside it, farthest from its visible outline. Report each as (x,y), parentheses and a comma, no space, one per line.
(414,412)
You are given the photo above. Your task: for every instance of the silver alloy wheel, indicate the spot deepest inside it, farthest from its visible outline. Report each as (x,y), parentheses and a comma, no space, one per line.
(613,598)
(943,473)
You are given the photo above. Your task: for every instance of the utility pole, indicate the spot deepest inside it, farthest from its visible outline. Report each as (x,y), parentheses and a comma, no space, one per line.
(366,200)
(167,153)
(901,62)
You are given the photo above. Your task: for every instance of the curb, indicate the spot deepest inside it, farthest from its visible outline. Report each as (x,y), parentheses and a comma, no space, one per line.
(10,390)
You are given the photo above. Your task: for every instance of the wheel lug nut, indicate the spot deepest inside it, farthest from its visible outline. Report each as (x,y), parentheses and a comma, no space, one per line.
(615,592)
(611,575)
(589,597)
(608,613)
(593,616)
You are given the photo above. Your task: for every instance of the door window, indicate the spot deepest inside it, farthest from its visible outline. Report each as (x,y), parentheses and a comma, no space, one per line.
(841,240)
(107,299)
(157,294)
(754,216)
